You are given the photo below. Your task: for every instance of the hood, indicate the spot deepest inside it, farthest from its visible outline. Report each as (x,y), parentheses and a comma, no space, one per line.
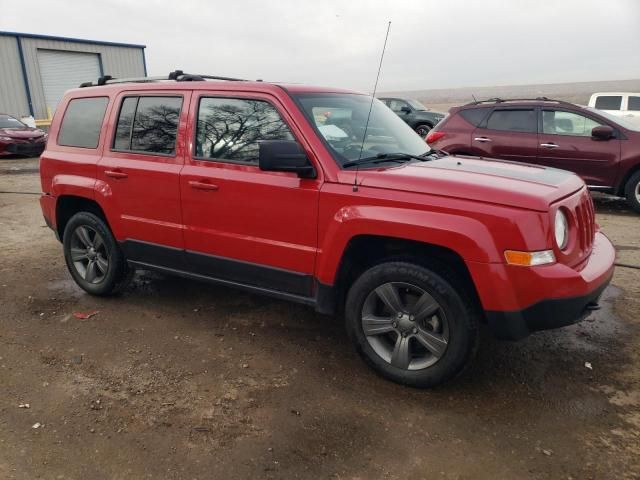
(484,180)
(428,114)
(22,132)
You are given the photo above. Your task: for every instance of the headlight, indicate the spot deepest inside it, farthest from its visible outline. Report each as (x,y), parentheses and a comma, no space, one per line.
(561,227)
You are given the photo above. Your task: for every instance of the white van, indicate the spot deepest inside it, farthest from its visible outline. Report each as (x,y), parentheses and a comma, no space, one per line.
(620,104)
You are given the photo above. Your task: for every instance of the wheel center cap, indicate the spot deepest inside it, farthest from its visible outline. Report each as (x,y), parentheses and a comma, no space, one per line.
(405,322)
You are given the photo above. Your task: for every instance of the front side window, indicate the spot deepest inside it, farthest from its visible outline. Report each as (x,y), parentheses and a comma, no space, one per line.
(82,122)
(513,120)
(7,121)
(230,128)
(634,104)
(558,122)
(609,102)
(341,120)
(148,125)
(397,105)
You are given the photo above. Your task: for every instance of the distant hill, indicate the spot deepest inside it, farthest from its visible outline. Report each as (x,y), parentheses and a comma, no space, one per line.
(577,92)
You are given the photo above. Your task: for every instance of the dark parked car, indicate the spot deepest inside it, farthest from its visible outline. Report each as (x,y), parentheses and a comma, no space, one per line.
(16,138)
(604,150)
(417,116)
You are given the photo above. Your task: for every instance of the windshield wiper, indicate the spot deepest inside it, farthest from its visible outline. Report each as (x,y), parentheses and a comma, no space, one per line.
(385,157)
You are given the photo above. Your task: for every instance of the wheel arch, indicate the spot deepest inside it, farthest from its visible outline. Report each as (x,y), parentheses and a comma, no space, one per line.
(68,205)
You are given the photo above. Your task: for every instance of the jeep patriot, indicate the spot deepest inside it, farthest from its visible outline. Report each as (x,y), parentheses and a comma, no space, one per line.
(255,185)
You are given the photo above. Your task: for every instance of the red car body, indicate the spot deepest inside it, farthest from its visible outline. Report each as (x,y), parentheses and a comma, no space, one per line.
(606,164)
(16,138)
(292,237)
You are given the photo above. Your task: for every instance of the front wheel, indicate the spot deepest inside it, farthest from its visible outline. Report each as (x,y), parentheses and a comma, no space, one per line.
(93,256)
(423,130)
(632,192)
(410,324)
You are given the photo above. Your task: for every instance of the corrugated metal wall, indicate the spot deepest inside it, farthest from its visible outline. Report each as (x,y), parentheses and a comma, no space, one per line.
(117,61)
(13,97)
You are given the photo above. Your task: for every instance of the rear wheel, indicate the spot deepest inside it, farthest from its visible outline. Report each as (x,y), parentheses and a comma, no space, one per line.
(632,192)
(93,256)
(410,324)
(423,130)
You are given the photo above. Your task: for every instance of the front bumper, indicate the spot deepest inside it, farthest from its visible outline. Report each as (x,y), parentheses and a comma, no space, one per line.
(521,300)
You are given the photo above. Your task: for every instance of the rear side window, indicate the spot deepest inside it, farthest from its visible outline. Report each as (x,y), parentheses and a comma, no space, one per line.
(513,120)
(609,102)
(230,128)
(474,115)
(82,122)
(634,104)
(148,125)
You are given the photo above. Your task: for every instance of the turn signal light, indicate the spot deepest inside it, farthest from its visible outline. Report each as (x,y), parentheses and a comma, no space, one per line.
(529,259)
(434,137)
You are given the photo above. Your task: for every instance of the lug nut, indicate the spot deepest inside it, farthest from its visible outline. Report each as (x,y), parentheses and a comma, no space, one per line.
(394,324)
(415,330)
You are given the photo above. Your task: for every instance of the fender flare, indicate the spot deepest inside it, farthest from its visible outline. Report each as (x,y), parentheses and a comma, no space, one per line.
(468,237)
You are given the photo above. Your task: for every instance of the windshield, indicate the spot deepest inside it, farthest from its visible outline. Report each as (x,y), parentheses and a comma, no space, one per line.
(620,121)
(340,119)
(416,105)
(7,121)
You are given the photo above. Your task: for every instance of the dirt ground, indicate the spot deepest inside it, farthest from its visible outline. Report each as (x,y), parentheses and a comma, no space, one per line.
(176,379)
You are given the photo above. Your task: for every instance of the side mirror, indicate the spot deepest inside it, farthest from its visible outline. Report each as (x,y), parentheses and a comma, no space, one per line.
(284,156)
(602,132)
(405,110)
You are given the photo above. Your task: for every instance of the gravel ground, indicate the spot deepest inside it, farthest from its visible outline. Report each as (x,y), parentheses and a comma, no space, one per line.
(180,380)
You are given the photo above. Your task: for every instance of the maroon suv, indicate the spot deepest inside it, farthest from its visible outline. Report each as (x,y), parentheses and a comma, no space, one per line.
(602,149)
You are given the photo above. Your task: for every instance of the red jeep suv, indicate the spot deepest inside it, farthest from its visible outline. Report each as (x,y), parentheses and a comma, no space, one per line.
(604,150)
(258,186)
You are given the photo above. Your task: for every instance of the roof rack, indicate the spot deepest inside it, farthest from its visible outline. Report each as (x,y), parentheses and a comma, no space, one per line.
(503,100)
(176,75)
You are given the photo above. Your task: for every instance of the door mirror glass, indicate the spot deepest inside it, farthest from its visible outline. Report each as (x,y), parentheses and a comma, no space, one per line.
(405,110)
(284,156)
(602,132)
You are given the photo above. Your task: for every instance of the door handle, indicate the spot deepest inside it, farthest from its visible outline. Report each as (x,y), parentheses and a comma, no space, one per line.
(549,145)
(482,139)
(115,174)
(202,185)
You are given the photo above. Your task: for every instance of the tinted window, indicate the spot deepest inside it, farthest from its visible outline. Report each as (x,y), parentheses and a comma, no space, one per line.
(230,129)
(557,122)
(148,124)
(513,120)
(125,121)
(608,102)
(82,122)
(474,115)
(634,103)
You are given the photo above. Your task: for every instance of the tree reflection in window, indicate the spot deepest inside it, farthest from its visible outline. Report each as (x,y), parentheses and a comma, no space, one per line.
(230,129)
(154,121)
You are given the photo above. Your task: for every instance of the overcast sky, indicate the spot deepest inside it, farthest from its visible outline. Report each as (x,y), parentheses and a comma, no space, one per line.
(432,44)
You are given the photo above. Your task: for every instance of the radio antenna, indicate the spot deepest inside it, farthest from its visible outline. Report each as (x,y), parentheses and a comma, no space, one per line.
(373,96)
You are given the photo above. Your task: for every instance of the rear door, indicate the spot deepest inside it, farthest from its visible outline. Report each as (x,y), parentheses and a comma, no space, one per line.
(242,224)
(509,133)
(139,174)
(566,143)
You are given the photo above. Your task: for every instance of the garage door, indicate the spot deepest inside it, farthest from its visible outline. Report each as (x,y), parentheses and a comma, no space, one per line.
(61,71)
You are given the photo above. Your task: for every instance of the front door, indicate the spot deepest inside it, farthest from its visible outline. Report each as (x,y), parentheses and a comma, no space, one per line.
(242,224)
(566,143)
(139,175)
(507,134)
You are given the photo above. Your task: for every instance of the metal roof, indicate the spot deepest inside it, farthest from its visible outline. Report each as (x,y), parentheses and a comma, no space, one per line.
(69,39)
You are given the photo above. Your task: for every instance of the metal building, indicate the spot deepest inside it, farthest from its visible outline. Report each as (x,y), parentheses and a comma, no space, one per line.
(35,70)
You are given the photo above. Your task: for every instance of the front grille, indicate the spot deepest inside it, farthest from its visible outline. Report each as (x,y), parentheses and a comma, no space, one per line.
(585,221)
(25,148)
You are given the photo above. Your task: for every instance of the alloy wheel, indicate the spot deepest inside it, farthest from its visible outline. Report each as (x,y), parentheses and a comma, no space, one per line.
(89,254)
(405,325)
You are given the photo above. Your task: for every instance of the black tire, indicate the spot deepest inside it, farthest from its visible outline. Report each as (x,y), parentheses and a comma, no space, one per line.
(632,192)
(106,280)
(423,129)
(455,308)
